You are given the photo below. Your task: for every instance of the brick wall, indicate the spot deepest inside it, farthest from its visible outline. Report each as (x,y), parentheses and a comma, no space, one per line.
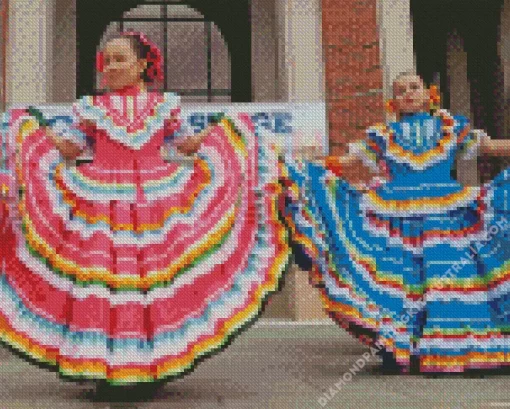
(354,78)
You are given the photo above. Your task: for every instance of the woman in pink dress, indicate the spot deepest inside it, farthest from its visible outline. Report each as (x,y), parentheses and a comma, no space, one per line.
(130,269)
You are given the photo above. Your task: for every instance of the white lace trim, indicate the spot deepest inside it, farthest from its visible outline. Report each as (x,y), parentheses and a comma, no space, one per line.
(135,140)
(360,150)
(379,130)
(472,148)
(376,204)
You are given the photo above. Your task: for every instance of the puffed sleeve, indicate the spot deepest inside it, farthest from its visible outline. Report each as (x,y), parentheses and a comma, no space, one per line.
(72,128)
(173,124)
(369,150)
(468,140)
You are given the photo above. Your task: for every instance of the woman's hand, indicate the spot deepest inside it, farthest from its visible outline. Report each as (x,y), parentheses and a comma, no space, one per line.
(189,145)
(486,146)
(88,123)
(493,147)
(350,168)
(69,150)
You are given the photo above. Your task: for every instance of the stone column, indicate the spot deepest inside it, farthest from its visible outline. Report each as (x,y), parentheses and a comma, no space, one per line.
(29,52)
(64,52)
(456,59)
(299,51)
(264,41)
(396,41)
(41,54)
(299,78)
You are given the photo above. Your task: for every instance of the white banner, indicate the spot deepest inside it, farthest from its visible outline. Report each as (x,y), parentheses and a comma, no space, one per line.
(293,128)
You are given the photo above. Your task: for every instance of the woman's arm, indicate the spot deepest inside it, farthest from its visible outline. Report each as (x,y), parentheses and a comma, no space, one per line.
(350,166)
(494,147)
(189,145)
(68,150)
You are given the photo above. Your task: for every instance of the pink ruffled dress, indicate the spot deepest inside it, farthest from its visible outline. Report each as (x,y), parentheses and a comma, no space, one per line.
(129,268)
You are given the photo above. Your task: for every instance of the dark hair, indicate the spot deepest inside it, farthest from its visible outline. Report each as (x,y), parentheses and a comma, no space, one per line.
(141,50)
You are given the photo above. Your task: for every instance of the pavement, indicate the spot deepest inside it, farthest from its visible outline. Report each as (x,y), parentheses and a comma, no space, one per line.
(273,365)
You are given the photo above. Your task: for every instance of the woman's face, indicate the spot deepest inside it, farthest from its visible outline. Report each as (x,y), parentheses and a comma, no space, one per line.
(121,66)
(410,94)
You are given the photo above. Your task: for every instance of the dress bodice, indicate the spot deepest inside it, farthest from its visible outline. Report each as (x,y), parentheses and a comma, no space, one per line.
(128,127)
(419,153)
(419,134)
(109,153)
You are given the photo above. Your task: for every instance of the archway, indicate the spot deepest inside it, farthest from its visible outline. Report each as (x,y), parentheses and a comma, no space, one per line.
(232,17)
(194,51)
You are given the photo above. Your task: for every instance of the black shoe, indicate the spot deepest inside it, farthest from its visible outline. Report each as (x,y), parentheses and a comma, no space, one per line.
(415,365)
(126,393)
(389,363)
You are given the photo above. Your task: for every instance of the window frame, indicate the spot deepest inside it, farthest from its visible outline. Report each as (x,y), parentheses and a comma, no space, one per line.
(209,92)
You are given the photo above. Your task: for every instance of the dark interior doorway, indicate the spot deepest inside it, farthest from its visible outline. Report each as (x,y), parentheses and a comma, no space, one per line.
(477,22)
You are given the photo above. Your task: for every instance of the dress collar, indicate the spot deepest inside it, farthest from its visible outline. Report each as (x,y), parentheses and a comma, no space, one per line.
(114,114)
(410,115)
(130,90)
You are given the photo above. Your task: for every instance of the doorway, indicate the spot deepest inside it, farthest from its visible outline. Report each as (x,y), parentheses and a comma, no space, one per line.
(456,45)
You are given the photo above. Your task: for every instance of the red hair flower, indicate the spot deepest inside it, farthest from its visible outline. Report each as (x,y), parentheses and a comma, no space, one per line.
(435,98)
(100,61)
(154,70)
(391,106)
(153,56)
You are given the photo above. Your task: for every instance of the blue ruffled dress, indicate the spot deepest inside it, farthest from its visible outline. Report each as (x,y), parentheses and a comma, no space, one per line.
(419,265)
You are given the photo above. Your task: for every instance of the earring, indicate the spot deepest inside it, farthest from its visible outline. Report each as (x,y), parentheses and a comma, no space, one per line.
(391,110)
(390,106)
(435,98)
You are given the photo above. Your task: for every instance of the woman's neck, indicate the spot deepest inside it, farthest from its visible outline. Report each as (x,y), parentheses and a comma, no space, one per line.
(132,89)
(408,114)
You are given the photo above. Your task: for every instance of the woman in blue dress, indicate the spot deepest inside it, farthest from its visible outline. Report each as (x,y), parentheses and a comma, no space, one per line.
(414,263)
